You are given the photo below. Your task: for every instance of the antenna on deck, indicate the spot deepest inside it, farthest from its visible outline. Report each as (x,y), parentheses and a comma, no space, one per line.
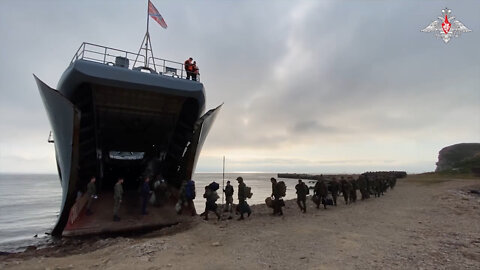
(147,48)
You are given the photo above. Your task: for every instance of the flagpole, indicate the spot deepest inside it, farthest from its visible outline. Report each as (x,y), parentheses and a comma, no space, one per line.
(147,37)
(148,17)
(223,181)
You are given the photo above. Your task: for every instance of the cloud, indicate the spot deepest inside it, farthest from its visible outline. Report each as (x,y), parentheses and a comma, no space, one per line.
(301,81)
(213,164)
(359,78)
(311,126)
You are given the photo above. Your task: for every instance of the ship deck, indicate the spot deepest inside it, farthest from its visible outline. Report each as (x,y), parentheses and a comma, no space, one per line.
(101,221)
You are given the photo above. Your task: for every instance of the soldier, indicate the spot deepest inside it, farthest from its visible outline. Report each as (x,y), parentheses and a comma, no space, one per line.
(362,186)
(302,191)
(320,190)
(385,183)
(160,190)
(353,191)
(346,189)
(211,204)
(383,186)
(91,193)
(392,181)
(334,188)
(117,198)
(378,186)
(243,206)
(145,194)
(277,208)
(274,182)
(229,198)
(189,195)
(371,184)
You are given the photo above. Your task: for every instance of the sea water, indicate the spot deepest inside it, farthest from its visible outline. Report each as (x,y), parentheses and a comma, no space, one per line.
(29,206)
(30,203)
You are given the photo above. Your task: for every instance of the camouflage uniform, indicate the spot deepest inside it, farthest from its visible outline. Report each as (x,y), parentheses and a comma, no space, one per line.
(353,191)
(321,191)
(334,188)
(362,186)
(211,204)
(384,183)
(302,191)
(393,181)
(117,199)
(346,189)
(368,185)
(378,186)
(277,203)
(228,197)
(243,206)
(91,191)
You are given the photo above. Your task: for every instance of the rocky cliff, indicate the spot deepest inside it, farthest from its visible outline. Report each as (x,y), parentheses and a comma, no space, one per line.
(462,157)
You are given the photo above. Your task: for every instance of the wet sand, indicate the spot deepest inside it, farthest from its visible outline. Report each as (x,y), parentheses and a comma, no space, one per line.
(426,222)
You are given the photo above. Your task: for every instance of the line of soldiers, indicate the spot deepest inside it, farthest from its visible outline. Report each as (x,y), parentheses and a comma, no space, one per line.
(367,183)
(326,191)
(92,195)
(145,193)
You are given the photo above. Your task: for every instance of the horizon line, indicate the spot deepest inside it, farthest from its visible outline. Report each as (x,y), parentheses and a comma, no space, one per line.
(237,172)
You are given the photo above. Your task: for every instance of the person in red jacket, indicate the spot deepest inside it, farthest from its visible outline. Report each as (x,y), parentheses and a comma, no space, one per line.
(189,67)
(195,71)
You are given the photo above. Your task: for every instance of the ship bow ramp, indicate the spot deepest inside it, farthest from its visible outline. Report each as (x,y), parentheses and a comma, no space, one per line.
(113,122)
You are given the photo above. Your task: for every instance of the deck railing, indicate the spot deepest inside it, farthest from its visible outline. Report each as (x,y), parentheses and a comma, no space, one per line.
(109,56)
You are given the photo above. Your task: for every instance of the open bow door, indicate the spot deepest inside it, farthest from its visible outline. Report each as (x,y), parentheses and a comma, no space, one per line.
(64,119)
(202,127)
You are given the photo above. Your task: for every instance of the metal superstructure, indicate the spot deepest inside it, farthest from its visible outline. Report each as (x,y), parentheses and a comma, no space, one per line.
(134,61)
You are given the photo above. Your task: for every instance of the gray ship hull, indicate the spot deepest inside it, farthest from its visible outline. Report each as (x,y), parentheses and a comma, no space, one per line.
(109,122)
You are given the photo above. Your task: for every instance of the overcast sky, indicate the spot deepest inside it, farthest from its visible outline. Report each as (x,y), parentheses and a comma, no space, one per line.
(308,86)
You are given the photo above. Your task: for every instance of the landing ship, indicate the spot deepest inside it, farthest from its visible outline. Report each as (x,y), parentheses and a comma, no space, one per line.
(118,114)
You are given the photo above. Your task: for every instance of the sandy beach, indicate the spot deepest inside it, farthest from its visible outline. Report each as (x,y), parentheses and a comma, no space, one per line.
(426,222)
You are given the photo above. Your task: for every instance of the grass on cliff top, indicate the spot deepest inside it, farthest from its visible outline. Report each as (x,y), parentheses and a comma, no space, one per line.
(436,178)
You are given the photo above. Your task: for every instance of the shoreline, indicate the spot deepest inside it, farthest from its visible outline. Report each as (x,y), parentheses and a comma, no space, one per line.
(422,223)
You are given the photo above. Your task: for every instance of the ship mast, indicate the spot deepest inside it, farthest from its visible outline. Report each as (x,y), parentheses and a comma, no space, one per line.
(148,46)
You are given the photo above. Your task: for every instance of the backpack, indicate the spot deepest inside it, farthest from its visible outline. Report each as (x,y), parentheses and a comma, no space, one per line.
(248,192)
(190,190)
(307,190)
(212,196)
(214,186)
(269,202)
(281,188)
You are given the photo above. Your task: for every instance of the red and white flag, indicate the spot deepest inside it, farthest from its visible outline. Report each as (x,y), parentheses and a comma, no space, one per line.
(153,12)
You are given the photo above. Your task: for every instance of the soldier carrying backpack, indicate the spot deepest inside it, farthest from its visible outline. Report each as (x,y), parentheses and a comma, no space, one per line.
(187,195)
(302,192)
(278,191)
(244,192)
(211,205)
(320,193)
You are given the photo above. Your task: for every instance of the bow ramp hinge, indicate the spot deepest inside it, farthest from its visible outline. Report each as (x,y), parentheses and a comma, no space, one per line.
(50,138)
